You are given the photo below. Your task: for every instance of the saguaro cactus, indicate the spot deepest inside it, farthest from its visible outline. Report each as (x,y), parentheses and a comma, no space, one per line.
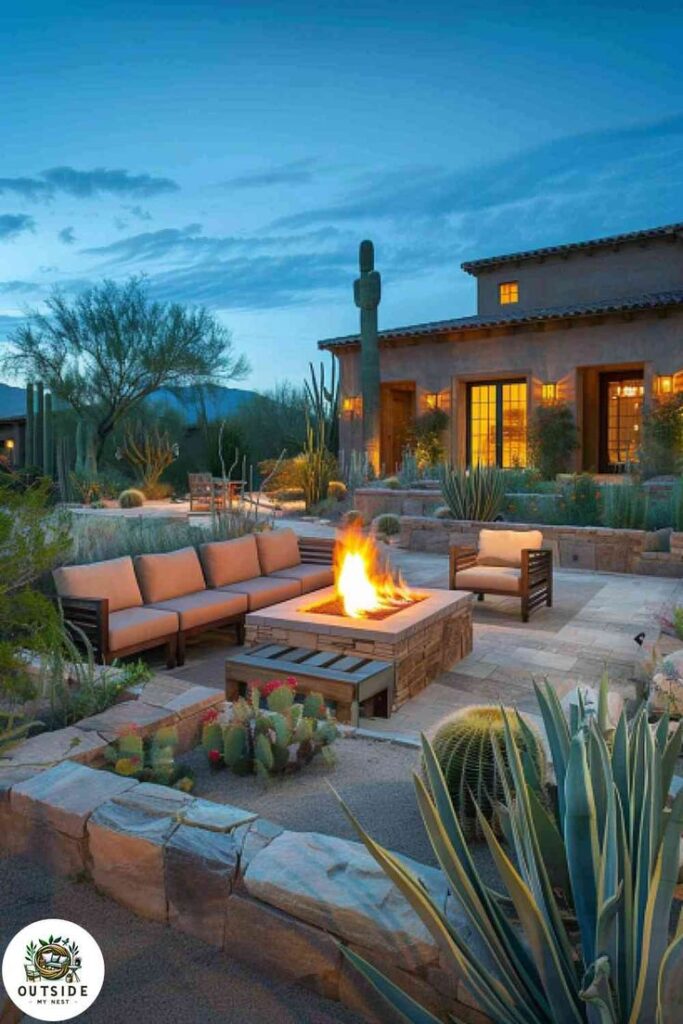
(30,426)
(367,293)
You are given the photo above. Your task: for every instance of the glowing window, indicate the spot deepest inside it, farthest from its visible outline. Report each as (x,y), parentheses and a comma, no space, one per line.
(498,424)
(508,292)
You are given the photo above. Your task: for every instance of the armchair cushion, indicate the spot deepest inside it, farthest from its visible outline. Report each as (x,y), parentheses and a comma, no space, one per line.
(113,579)
(504,547)
(311,577)
(132,626)
(489,577)
(168,575)
(277,549)
(204,607)
(264,591)
(230,561)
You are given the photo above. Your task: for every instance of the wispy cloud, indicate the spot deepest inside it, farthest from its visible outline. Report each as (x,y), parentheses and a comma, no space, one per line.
(139,212)
(67,236)
(298,172)
(84,184)
(14,224)
(19,287)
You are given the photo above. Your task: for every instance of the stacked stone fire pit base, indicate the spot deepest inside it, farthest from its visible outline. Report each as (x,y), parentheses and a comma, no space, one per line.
(422,640)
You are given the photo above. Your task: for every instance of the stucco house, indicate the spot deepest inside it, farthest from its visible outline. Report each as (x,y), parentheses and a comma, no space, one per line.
(595,324)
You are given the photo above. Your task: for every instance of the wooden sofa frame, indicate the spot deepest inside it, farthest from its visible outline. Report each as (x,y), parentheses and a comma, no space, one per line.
(89,616)
(536,579)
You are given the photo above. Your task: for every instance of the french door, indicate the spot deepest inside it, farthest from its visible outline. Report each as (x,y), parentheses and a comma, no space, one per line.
(497,424)
(621,417)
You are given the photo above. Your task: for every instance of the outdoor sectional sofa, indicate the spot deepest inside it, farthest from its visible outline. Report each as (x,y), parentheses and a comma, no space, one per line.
(124,605)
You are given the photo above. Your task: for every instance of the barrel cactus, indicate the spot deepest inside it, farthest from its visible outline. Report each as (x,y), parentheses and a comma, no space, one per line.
(464,747)
(132,498)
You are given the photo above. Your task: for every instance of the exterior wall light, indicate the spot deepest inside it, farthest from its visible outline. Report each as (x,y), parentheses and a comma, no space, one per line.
(665,385)
(432,399)
(9,443)
(351,405)
(549,391)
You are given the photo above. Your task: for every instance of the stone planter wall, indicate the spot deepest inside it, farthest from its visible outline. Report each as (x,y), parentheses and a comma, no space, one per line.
(375,501)
(575,547)
(279,901)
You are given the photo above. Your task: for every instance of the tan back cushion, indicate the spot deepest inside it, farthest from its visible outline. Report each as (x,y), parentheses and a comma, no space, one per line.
(277,549)
(230,561)
(169,575)
(113,579)
(504,547)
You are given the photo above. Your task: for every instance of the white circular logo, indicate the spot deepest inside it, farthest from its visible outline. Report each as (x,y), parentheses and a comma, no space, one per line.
(53,970)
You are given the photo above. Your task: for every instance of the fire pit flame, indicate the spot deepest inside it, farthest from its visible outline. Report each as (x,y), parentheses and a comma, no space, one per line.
(362,584)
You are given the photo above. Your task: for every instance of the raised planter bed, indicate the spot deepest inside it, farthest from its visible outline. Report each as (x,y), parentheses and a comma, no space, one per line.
(374,501)
(596,548)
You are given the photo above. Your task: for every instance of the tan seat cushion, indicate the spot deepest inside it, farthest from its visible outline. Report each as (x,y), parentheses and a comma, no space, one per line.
(489,577)
(264,590)
(311,577)
(113,579)
(230,561)
(504,547)
(133,626)
(169,575)
(204,607)
(277,549)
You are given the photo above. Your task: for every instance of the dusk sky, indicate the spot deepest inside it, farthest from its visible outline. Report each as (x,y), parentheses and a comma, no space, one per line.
(236,153)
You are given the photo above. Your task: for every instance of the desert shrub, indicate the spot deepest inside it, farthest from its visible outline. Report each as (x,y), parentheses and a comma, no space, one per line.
(522,481)
(337,490)
(661,452)
(409,471)
(660,513)
(464,746)
(426,438)
(131,498)
(624,506)
(553,438)
(579,502)
(677,505)
(286,476)
(532,508)
(353,518)
(477,493)
(388,524)
(391,482)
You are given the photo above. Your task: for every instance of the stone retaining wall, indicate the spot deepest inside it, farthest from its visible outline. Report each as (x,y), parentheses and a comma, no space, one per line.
(575,547)
(280,901)
(375,501)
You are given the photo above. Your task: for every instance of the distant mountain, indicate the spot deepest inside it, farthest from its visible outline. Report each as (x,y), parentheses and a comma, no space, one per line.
(220,402)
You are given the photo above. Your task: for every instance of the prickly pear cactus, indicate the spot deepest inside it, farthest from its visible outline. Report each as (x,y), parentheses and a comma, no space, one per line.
(281,699)
(130,744)
(313,705)
(236,748)
(212,736)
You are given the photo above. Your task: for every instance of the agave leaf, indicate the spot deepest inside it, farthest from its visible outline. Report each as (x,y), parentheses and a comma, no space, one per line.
(581,840)
(411,1011)
(531,742)
(488,990)
(596,991)
(647,837)
(604,724)
(547,957)
(551,845)
(670,982)
(558,737)
(662,731)
(655,935)
(623,966)
(671,754)
(620,765)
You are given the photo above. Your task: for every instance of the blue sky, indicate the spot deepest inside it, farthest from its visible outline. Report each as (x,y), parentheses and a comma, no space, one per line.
(236,153)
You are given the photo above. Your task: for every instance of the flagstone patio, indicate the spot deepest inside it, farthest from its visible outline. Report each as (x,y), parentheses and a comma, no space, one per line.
(590,628)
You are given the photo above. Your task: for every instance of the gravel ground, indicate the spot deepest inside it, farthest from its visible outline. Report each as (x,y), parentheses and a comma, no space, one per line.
(373,777)
(154,973)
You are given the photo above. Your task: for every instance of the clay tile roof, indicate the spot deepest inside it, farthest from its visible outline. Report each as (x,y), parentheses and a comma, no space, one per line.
(654,300)
(474,266)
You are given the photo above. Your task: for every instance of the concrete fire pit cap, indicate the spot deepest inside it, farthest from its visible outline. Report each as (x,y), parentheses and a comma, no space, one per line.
(296,614)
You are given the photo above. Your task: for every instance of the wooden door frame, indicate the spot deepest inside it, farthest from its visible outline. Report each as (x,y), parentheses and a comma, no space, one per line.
(386,388)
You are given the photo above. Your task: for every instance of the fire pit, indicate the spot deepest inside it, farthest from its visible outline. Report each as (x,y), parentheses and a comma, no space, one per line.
(372,613)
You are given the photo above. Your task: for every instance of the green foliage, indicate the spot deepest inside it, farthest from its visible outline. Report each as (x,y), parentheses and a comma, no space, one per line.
(336,489)
(150,451)
(271,734)
(677,505)
(388,524)
(391,482)
(476,494)
(579,502)
(33,538)
(523,481)
(465,747)
(553,438)
(662,437)
(624,506)
(583,930)
(131,498)
(409,471)
(106,350)
(543,509)
(358,470)
(14,728)
(427,439)
(678,621)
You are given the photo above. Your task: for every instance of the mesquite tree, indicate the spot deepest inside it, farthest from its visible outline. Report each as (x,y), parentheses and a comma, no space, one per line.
(112,346)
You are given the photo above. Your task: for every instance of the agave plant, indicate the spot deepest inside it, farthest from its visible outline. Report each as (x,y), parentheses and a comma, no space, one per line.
(582,933)
(477,493)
